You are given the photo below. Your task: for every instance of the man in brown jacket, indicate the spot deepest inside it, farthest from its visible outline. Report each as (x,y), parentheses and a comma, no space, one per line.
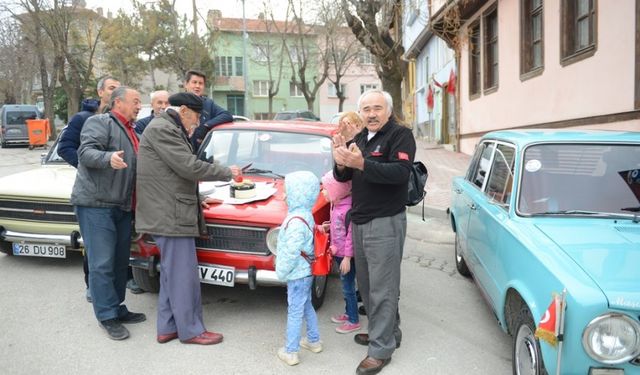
(168,208)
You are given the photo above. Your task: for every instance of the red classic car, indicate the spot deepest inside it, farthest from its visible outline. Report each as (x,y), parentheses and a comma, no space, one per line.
(241,242)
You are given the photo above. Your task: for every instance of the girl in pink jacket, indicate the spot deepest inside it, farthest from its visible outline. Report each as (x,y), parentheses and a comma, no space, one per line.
(339,194)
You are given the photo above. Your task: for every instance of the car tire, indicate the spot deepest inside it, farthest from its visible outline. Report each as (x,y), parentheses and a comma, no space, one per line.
(526,355)
(145,281)
(318,290)
(461,265)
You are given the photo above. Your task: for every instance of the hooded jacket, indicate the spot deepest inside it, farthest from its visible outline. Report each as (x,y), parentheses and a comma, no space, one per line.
(339,194)
(302,189)
(70,138)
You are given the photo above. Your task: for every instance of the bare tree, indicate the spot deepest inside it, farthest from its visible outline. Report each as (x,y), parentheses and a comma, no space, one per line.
(302,47)
(270,51)
(377,24)
(17,64)
(342,47)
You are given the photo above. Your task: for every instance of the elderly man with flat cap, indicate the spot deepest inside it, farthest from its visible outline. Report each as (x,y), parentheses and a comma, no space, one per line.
(169,209)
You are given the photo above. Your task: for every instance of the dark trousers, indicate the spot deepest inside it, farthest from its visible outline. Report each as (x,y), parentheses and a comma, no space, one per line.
(179,301)
(378,247)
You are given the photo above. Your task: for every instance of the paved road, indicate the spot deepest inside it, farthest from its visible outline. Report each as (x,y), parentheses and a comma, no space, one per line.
(48,328)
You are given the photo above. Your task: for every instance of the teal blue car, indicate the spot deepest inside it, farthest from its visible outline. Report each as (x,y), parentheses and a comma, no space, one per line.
(546,213)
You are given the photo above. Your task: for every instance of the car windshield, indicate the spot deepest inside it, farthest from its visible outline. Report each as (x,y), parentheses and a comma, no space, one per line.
(20,117)
(580,179)
(269,153)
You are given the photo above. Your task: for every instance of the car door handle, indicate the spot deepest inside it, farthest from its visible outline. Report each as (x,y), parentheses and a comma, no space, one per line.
(458,191)
(472,206)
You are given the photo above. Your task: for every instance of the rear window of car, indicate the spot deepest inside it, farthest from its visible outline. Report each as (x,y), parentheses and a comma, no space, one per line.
(20,117)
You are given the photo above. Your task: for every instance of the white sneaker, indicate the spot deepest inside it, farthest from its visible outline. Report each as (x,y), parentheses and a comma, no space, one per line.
(289,358)
(315,347)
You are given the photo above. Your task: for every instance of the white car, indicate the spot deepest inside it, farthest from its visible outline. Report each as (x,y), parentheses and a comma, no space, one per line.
(36,217)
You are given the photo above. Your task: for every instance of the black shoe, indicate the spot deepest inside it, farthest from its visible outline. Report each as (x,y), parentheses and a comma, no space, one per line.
(362,310)
(132,318)
(114,329)
(134,287)
(363,339)
(371,365)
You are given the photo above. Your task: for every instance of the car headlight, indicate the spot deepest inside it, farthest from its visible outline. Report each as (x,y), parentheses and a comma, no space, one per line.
(272,239)
(612,338)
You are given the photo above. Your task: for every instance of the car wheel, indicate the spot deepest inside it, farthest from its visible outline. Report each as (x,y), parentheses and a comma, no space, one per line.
(461,265)
(145,281)
(3,143)
(527,358)
(318,291)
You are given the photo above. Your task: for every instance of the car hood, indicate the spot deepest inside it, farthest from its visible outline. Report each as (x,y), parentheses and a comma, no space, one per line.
(270,211)
(52,182)
(607,250)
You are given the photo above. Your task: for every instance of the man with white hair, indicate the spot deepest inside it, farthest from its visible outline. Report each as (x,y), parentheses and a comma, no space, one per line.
(159,102)
(378,162)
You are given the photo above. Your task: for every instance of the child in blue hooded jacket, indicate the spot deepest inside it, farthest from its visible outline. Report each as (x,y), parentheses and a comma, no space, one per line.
(296,235)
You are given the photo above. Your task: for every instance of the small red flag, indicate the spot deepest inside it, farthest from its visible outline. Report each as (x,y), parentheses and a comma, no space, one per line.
(430,99)
(451,85)
(549,326)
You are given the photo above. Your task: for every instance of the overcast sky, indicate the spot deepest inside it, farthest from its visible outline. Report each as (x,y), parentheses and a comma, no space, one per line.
(229,8)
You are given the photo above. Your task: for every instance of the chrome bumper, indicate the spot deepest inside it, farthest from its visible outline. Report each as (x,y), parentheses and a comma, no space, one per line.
(253,277)
(73,240)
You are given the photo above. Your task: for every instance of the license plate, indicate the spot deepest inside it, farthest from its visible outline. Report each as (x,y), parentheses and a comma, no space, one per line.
(217,275)
(39,250)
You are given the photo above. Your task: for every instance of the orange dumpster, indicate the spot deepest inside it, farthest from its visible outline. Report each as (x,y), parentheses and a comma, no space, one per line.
(38,133)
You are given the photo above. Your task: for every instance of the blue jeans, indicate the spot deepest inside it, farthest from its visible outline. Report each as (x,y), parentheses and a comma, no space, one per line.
(349,291)
(299,299)
(107,236)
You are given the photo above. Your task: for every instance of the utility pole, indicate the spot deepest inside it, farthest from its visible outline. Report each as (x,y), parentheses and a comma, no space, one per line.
(245,76)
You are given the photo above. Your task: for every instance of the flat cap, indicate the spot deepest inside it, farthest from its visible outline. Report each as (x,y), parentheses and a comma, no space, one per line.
(187,99)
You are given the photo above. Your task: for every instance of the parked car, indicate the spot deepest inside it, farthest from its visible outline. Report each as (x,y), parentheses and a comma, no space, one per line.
(36,217)
(296,115)
(13,123)
(543,211)
(240,247)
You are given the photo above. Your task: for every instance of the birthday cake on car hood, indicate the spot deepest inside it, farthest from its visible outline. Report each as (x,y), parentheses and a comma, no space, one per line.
(242,188)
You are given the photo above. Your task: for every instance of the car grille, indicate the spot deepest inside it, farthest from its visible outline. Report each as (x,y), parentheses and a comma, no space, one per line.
(37,211)
(237,239)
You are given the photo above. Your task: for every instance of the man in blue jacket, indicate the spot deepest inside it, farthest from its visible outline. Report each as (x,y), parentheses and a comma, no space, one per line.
(159,102)
(211,115)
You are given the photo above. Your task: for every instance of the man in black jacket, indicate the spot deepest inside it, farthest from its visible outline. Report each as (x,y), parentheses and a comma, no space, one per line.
(378,163)
(211,115)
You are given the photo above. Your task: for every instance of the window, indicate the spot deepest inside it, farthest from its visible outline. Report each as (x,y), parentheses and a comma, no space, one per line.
(260,88)
(235,104)
(532,36)
(295,90)
(239,66)
(367,87)
(260,53)
(474,59)
(481,159)
(501,174)
(332,90)
(224,66)
(578,29)
(365,57)
(491,49)
(228,66)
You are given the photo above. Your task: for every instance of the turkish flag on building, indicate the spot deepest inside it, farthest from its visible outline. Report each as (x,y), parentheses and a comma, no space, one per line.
(451,85)
(549,326)
(430,99)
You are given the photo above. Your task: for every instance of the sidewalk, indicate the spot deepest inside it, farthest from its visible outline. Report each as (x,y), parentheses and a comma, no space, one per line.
(443,165)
